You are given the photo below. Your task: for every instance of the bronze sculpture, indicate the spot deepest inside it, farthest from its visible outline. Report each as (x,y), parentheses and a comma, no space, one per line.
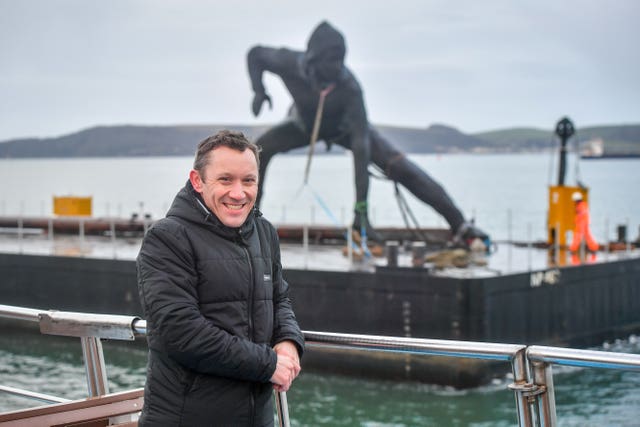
(318,80)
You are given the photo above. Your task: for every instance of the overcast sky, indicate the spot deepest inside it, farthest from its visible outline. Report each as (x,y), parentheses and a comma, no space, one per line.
(67,65)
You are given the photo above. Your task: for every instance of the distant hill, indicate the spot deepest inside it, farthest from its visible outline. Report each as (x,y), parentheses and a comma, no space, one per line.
(131,140)
(434,139)
(119,141)
(518,139)
(621,139)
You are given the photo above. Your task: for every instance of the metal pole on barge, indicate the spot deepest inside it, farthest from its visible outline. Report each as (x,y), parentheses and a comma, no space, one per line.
(564,129)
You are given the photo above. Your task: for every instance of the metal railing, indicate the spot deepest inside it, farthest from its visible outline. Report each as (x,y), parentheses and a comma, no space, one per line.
(541,359)
(530,365)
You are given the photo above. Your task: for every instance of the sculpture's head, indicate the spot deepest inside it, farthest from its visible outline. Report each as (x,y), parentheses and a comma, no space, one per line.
(324,59)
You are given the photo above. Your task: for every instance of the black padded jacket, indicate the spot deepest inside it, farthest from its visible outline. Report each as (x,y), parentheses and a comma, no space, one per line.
(215,303)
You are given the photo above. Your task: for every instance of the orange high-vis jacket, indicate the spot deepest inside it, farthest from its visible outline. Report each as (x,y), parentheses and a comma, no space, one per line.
(581,231)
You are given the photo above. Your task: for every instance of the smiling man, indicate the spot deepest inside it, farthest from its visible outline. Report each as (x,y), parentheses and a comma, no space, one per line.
(220,327)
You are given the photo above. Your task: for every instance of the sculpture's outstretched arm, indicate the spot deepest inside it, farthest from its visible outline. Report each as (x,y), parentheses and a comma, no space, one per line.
(260,59)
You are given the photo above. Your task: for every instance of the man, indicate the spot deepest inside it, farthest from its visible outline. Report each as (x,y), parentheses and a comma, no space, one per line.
(318,77)
(220,326)
(581,231)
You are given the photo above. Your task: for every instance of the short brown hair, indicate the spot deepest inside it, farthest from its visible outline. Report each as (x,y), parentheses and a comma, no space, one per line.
(227,138)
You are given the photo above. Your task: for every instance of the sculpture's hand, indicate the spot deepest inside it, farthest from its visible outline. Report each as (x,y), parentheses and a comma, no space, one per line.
(258,100)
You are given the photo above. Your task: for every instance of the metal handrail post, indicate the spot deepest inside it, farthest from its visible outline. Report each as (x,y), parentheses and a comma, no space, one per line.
(545,402)
(541,358)
(97,382)
(282,409)
(520,388)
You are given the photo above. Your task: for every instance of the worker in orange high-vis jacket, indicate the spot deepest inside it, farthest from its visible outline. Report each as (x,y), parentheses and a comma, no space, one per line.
(581,231)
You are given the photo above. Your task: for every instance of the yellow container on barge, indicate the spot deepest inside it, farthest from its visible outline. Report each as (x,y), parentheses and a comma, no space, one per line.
(72,206)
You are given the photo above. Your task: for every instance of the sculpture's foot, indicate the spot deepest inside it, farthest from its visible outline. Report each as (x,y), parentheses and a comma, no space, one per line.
(371,234)
(358,253)
(468,234)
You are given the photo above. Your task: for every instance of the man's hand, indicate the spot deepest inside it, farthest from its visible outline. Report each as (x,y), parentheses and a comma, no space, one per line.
(289,349)
(288,366)
(258,100)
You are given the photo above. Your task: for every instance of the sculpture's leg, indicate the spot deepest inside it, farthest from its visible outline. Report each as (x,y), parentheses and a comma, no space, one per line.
(361,158)
(279,139)
(361,222)
(399,168)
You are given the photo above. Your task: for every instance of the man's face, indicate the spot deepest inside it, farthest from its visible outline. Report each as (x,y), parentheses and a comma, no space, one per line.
(230,184)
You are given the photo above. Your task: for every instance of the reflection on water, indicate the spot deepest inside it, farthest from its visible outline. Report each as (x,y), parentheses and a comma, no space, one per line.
(585,397)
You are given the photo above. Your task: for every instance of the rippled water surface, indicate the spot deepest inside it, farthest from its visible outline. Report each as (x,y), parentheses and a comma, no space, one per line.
(584,397)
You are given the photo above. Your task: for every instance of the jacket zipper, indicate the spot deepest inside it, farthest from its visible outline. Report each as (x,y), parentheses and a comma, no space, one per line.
(250,317)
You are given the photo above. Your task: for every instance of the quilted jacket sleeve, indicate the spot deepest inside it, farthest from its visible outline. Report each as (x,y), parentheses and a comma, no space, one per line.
(285,323)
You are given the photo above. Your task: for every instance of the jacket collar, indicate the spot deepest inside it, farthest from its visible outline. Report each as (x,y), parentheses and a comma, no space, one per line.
(189,205)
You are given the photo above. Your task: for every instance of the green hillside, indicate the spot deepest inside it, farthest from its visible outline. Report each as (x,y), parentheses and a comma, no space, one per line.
(517,139)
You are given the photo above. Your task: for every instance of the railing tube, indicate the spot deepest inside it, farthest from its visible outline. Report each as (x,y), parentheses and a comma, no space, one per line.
(139,327)
(469,349)
(541,358)
(583,358)
(282,409)
(46,398)
(546,402)
(520,376)
(97,382)
(19,313)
